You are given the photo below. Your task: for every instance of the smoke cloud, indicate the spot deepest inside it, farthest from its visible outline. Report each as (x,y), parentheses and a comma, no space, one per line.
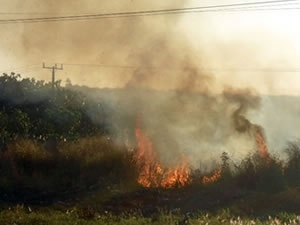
(184,108)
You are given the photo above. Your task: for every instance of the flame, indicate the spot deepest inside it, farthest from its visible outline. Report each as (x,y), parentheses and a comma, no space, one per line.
(261,145)
(177,176)
(213,178)
(150,171)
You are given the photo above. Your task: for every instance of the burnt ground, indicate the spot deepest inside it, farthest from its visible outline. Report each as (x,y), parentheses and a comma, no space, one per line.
(205,199)
(151,201)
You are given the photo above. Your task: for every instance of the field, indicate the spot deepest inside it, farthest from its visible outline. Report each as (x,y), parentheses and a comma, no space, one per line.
(31,216)
(70,159)
(41,187)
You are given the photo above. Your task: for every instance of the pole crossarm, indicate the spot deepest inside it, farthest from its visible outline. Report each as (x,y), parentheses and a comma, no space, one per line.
(53,68)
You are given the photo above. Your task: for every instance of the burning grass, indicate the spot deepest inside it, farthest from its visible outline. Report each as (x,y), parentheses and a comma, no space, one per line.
(106,177)
(151,173)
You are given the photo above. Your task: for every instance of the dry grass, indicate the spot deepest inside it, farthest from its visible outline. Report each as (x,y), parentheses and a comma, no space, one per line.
(94,169)
(27,166)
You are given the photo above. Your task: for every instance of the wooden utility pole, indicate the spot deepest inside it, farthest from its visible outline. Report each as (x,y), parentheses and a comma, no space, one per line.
(52,140)
(53,68)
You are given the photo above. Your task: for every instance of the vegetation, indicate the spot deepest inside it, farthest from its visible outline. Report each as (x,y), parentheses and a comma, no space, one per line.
(34,110)
(26,215)
(59,166)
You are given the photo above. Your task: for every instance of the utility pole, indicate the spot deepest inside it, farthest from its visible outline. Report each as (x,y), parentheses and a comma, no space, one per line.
(52,140)
(53,68)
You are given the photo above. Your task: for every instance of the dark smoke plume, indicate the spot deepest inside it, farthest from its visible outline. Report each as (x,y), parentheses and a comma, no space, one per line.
(181,105)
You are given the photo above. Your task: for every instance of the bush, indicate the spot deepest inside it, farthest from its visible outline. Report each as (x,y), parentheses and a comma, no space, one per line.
(270,176)
(292,170)
(266,175)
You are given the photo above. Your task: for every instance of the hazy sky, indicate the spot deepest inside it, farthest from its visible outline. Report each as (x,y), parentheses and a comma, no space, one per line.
(256,49)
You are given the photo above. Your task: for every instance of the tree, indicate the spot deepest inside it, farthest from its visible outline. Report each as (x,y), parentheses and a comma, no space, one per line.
(28,109)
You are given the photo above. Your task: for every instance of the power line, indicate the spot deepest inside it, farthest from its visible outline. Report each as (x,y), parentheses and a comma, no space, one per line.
(104,65)
(208,69)
(31,68)
(279,6)
(34,67)
(260,4)
(222,7)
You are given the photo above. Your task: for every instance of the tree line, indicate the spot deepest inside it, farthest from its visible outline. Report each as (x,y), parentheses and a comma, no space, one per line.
(32,109)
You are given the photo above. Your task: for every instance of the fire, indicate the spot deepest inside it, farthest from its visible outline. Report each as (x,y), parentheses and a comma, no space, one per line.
(260,141)
(213,178)
(150,171)
(177,176)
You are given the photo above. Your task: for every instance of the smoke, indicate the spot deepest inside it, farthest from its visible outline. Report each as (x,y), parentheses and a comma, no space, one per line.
(189,116)
(190,112)
(245,100)
(126,41)
(202,126)
(199,125)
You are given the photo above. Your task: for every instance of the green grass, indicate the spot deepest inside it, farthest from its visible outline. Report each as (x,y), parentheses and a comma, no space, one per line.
(20,214)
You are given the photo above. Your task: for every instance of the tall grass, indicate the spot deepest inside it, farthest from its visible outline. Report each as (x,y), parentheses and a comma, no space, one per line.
(30,172)
(27,167)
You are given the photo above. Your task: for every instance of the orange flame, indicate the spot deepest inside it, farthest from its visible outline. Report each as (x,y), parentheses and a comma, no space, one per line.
(261,145)
(150,171)
(149,168)
(177,177)
(213,178)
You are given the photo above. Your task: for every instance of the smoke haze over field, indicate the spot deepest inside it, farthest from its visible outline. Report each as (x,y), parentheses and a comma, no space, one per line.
(212,68)
(160,50)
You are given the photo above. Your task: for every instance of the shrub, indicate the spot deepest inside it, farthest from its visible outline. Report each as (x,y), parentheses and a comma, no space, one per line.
(292,170)
(256,173)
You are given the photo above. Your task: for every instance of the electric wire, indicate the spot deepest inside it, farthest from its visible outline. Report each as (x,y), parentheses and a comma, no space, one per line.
(37,67)
(264,4)
(130,67)
(210,8)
